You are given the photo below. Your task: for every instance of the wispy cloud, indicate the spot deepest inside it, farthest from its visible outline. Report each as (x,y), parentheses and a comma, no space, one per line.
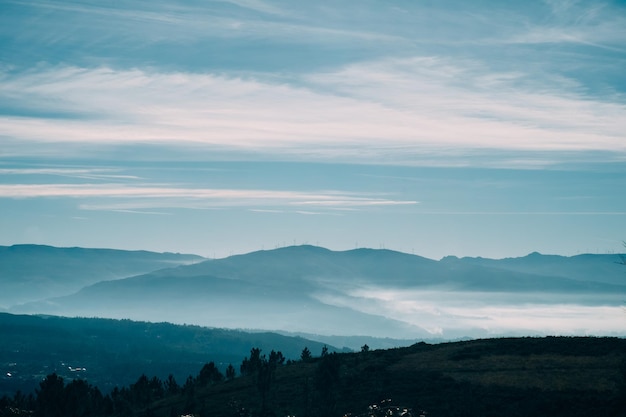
(83,173)
(466,103)
(383,108)
(156,213)
(160,22)
(151,196)
(596,24)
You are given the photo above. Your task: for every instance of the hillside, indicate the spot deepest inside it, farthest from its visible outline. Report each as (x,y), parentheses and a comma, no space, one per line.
(553,376)
(34,272)
(109,353)
(491,377)
(380,293)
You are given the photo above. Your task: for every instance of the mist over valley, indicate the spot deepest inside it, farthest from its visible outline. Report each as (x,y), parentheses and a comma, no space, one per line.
(312,290)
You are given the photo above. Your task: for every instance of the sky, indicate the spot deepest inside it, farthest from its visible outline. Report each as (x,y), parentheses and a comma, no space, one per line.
(480,128)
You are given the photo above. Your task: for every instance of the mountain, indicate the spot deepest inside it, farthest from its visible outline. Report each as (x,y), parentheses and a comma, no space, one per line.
(601,268)
(370,292)
(34,272)
(110,353)
(216,302)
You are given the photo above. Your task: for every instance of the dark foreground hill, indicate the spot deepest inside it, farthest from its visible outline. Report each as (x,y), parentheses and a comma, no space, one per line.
(108,353)
(553,376)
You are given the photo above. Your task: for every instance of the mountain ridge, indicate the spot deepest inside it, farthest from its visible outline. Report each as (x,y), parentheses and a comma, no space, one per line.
(309,289)
(31,272)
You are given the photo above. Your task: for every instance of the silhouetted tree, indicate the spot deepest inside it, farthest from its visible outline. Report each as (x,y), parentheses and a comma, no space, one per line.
(306,356)
(230,372)
(76,399)
(121,401)
(276,358)
(140,391)
(189,387)
(209,374)
(250,365)
(263,370)
(50,397)
(82,400)
(324,351)
(171,386)
(326,380)
(264,378)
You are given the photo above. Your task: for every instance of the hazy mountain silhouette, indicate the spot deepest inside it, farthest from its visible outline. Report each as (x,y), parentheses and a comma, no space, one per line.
(215,302)
(34,272)
(586,267)
(315,290)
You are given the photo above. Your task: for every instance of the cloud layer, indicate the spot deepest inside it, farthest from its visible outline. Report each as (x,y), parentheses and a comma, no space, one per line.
(376,108)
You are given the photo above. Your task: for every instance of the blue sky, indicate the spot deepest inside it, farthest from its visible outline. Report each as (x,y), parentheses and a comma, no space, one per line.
(217,127)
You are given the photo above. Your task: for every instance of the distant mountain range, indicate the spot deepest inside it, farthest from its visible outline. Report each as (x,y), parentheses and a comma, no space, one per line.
(35,272)
(307,289)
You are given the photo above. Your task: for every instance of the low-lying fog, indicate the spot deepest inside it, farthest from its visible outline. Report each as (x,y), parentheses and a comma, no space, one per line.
(452,314)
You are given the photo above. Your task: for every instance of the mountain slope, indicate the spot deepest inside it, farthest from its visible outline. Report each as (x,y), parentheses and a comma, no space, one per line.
(34,272)
(494,377)
(111,353)
(215,302)
(359,292)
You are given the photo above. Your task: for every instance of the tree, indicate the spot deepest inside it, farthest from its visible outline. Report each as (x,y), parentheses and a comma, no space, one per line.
(276,358)
(265,375)
(81,399)
(251,365)
(306,356)
(230,372)
(121,401)
(365,348)
(263,370)
(209,374)
(171,386)
(326,379)
(146,390)
(50,397)
(324,351)
(189,386)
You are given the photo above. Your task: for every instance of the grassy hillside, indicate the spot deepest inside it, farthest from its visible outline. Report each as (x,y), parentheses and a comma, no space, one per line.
(492,377)
(554,376)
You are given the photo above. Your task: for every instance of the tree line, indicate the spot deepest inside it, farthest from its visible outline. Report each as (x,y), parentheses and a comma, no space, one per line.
(445,379)
(77,398)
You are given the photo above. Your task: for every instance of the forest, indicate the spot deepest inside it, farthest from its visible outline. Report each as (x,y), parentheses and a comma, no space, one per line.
(109,353)
(549,376)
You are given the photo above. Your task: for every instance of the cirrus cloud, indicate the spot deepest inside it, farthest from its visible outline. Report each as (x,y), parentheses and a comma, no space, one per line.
(153,196)
(383,107)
